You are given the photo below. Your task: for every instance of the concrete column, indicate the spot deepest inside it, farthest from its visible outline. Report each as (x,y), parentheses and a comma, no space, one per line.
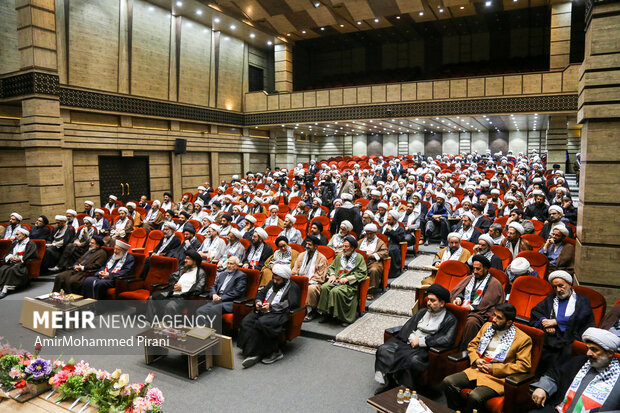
(375,144)
(286,155)
(176,175)
(559,46)
(598,225)
(215,169)
(557,141)
(283,59)
(36,34)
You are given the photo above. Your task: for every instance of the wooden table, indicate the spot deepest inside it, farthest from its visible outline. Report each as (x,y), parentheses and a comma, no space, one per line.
(386,402)
(199,352)
(43,305)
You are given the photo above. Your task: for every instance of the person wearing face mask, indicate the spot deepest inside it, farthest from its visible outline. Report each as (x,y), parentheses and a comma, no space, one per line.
(563,316)
(497,351)
(405,356)
(39,228)
(585,383)
(313,265)
(120,264)
(260,330)
(71,280)
(13,272)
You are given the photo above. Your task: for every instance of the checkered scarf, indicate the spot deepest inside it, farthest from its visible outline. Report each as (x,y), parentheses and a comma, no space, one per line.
(595,393)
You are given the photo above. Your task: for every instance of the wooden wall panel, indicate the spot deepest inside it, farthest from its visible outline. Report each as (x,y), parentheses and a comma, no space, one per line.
(259,161)
(86,177)
(230,82)
(195,170)
(13,185)
(230,164)
(93,44)
(150,50)
(195,69)
(9,55)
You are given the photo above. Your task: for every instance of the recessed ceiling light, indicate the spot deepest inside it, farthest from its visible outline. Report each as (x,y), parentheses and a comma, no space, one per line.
(303,32)
(317,4)
(488,3)
(252,35)
(359,22)
(397,17)
(462,7)
(288,34)
(233,27)
(342,25)
(179,3)
(216,20)
(269,42)
(376,20)
(440,10)
(421,13)
(199,12)
(322,28)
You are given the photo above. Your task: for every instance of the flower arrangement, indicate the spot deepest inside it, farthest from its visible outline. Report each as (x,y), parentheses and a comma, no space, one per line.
(110,392)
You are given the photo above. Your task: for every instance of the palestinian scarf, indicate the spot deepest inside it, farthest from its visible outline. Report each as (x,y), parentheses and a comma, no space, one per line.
(280,257)
(308,266)
(346,265)
(272,298)
(452,256)
(570,307)
(501,351)
(595,393)
(369,247)
(475,290)
(114,266)
(18,250)
(255,254)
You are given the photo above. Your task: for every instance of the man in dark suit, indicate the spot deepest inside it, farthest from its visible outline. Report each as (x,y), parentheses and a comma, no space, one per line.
(258,252)
(480,221)
(62,235)
(71,280)
(466,229)
(119,265)
(229,286)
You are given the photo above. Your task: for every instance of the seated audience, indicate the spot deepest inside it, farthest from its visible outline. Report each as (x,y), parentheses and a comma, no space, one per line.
(453,252)
(122,228)
(339,293)
(273,220)
(260,330)
(377,252)
(313,265)
(337,240)
(485,242)
(229,285)
(497,351)
(517,268)
(514,242)
(94,258)
(465,228)
(39,228)
(432,326)
(561,254)
(213,247)
(234,248)
(10,231)
(154,217)
(437,221)
(62,235)
(587,383)
(120,264)
(556,213)
(168,246)
(79,246)
(495,231)
(316,229)
(516,215)
(563,316)
(13,269)
(480,293)
(258,251)
(290,232)
(283,254)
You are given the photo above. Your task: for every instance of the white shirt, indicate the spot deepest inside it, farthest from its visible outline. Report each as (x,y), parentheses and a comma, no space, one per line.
(187,280)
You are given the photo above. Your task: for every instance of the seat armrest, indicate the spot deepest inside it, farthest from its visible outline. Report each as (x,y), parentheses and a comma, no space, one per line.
(440,350)
(297,310)
(138,250)
(523,320)
(519,379)
(203,295)
(393,330)
(158,286)
(243,300)
(458,356)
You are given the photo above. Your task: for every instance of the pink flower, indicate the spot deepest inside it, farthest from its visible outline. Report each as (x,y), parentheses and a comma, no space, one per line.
(60,377)
(155,396)
(82,368)
(141,405)
(16,373)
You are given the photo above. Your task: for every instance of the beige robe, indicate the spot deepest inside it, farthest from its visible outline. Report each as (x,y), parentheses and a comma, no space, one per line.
(320,270)
(265,273)
(518,360)
(375,268)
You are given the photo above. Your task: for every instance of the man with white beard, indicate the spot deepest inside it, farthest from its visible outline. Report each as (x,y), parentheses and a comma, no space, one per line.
(120,264)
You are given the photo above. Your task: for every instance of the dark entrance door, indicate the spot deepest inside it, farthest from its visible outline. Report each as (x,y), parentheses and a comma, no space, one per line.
(125,177)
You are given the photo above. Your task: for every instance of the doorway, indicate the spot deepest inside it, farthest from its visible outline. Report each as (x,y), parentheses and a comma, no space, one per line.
(125,177)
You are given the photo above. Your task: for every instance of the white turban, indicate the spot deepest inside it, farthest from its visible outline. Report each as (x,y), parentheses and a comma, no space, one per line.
(291,218)
(562,228)
(395,214)
(215,228)
(282,270)
(538,192)
(347,196)
(123,209)
(382,205)
(113,197)
(556,208)
(519,266)
(201,188)
(440,195)
(370,214)
(250,218)
(604,338)
(454,235)
(561,274)
(91,203)
(131,204)
(100,211)
(89,219)
(171,225)
(517,226)
(122,244)
(370,228)
(71,212)
(17,216)
(60,218)
(510,198)
(157,201)
(318,200)
(271,208)
(375,193)
(237,233)
(469,215)
(494,191)
(23,230)
(261,233)
(347,225)
(487,238)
